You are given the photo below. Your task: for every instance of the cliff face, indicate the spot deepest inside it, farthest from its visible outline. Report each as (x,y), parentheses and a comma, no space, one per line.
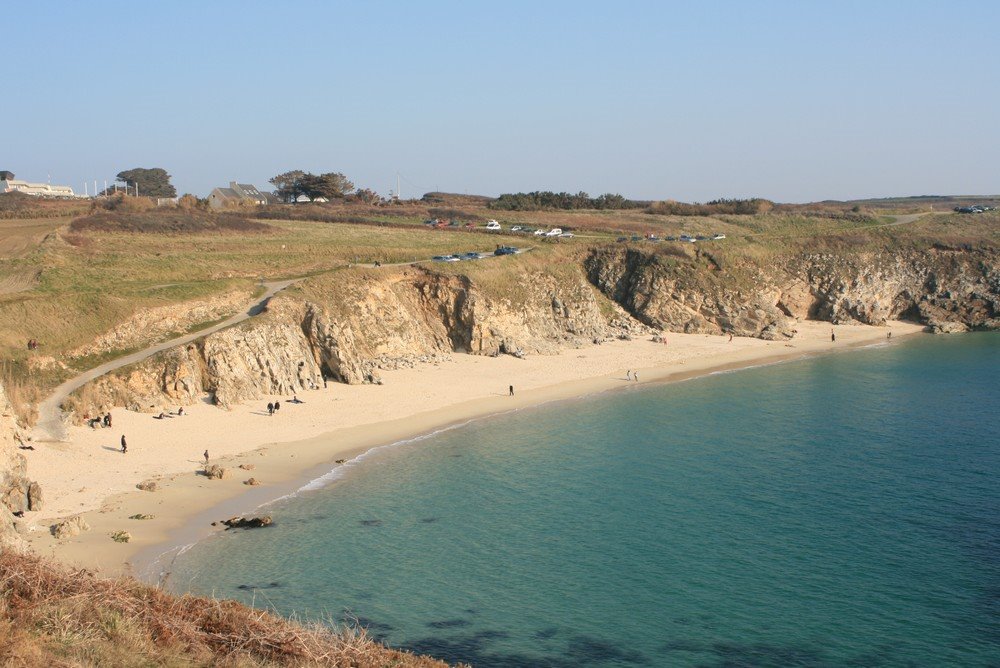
(17,493)
(350,326)
(351,330)
(948,290)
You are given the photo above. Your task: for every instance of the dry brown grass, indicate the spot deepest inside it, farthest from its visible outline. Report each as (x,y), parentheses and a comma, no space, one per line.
(54,616)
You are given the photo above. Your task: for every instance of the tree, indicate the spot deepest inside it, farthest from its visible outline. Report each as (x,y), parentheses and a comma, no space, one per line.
(287,184)
(294,183)
(331,185)
(153,182)
(6,175)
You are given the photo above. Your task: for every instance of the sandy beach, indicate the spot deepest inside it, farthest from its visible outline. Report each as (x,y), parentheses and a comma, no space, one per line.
(89,476)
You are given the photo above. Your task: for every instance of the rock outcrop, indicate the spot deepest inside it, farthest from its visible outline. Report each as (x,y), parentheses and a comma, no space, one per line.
(349,326)
(17,493)
(350,331)
(247,522)
(695,291)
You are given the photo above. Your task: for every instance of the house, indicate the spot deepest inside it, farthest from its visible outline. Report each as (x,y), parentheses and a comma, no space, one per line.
(35,189)
(239,194)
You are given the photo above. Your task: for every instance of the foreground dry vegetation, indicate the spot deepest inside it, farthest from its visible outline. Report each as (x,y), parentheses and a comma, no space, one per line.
(54,616)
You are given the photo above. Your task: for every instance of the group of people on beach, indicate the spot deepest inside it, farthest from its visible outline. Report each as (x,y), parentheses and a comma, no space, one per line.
(632,375)
(99,421)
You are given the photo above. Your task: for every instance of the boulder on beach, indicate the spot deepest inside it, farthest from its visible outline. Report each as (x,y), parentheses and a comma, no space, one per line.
(148,486)
(248,522)
(34,496)
(252,482)
(73,526)
(121,536)
(248,467)
(215,471)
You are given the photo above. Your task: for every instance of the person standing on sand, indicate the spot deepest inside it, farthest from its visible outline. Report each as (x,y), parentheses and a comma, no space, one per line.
(628,374)
(635,376)
(124,445)
(730,337)
(270,408)
(889,335)
(277,405)
(511,390)
(206,458)
(833,336)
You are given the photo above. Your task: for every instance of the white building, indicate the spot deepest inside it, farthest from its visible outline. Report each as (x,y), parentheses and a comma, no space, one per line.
(35,189)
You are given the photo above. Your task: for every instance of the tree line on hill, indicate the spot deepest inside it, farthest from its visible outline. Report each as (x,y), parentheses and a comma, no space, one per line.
(753,205)
(544,199)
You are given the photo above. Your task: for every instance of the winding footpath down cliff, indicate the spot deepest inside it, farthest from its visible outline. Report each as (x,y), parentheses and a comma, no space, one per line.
(50,422)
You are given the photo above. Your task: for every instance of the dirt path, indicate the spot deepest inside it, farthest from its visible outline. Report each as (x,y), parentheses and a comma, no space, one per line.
(50,425)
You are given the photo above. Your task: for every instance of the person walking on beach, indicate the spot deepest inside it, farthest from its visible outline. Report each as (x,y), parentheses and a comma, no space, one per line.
(730,337)
(206,458)
(124,445)
(270,408)
(511,390)
(833,336)
(889,335)
(277,405)
(628,374)
(635,376)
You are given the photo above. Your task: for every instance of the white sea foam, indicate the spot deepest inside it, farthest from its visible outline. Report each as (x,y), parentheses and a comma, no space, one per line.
(341,470)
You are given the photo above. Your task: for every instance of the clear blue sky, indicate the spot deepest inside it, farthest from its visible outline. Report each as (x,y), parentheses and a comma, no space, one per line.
(795,101)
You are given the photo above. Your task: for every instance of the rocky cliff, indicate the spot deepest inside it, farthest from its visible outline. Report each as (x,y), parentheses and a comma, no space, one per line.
(350,327)
(699,291)
(17,493)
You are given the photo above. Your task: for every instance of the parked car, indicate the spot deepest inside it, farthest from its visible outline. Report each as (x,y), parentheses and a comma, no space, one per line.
(471,256)
(493,225)
(440,258)
(505,250)
(516,228)
(636,237)
(622,239)
(716,237)
(554,232)
(539,233)
(671,238)
(566,235)
(688,238)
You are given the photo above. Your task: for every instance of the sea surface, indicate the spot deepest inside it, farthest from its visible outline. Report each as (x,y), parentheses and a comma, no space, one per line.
(842,510)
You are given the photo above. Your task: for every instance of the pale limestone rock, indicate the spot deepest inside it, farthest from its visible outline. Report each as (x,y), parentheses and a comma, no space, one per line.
(70,527)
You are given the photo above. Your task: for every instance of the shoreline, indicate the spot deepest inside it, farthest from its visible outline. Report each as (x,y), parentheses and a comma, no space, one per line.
(303,443)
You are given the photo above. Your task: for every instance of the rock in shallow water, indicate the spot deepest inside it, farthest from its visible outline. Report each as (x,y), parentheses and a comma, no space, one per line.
(248,522)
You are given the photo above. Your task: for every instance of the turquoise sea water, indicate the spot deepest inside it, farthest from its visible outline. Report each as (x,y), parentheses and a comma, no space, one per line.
(841,510)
